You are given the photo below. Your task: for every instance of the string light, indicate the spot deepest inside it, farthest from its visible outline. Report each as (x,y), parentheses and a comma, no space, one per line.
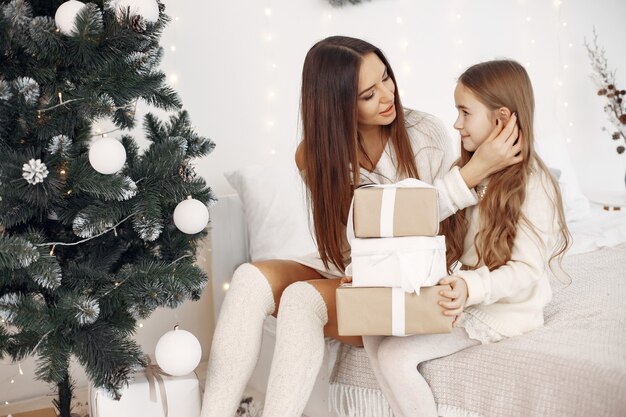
(273,152)
(173,48)
(140,325)
(173,78)
(268,12)
(399,20)
(60,97)
(52,250)
(19,366)
(226,286)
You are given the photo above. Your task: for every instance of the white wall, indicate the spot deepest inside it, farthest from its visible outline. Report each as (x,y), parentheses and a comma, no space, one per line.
(224,64)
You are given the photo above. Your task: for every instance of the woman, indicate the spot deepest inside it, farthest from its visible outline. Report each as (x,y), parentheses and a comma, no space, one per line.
(355,131)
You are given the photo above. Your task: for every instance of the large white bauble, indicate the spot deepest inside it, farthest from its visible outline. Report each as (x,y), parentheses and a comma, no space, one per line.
(65,16)
(178,352)
(107,155)
(148,9)
(191,216)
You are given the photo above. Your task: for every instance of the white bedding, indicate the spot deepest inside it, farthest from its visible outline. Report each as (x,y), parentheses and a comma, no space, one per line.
(597,230)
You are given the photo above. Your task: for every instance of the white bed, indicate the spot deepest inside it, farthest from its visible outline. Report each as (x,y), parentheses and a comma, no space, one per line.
(574,366)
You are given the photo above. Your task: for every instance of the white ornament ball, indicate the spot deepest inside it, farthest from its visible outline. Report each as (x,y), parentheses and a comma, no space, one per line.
(107,155)
(178,352)
(191,216)
(65,17)
(148,9)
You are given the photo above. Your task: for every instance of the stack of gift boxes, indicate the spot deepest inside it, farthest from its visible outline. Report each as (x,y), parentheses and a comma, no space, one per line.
(397,262)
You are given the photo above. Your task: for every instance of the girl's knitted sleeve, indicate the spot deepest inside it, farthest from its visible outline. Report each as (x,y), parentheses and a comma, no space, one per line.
(532,248)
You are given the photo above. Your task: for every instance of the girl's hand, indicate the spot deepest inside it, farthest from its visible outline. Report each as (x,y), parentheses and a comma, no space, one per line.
(345,280)
(457,296)
(500,150)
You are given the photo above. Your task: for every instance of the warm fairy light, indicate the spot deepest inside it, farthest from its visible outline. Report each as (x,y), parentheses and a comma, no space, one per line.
(19,366)
(568,140)
(565,66)
(62,172)
(269,38)
(564,24)
(140,325)
(268,12)
(173,78)
(226,286)
(330,16)
(270,123)
(528,19)
(532,41)
(460,41)
(173,48)
(273,152)
(399,19)
(60,97)
(271,95)
(458,16)
(12,381)
(566,104)
(571,124)
(274,66)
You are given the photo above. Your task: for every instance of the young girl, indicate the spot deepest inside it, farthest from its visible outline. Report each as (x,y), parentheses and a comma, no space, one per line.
(504,244)
(355,131)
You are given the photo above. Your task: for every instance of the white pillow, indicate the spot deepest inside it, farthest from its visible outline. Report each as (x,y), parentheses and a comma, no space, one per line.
(275,209)
(555,154)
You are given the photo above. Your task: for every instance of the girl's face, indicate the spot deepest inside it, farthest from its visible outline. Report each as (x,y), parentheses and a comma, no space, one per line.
(375,100)
(475,121)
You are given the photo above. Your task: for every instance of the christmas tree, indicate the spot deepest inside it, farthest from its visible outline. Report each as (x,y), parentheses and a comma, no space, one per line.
(89,236)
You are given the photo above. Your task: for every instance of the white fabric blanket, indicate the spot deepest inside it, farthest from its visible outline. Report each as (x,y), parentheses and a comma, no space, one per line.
(573,366)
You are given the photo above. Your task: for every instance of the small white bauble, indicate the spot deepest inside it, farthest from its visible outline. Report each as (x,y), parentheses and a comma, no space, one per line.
(65,17)
(107,155)
(191,216)
(148,9)
(178,352)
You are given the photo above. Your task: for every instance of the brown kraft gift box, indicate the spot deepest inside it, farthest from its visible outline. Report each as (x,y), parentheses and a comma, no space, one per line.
(367,311)
(416,212)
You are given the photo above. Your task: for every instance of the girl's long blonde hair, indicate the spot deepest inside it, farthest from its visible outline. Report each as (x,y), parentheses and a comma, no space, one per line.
(496,84)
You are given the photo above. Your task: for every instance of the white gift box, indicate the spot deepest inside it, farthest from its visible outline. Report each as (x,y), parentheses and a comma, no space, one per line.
(408,262)
(182,395)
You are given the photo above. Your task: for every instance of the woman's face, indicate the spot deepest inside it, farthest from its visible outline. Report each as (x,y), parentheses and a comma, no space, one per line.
(474,121)
(375,100)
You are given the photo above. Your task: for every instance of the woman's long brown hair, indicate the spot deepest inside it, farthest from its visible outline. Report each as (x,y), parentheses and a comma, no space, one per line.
(496,84)
(332,144)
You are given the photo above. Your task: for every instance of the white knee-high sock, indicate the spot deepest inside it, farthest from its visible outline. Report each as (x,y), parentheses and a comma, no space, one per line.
(299,351)
(236,341)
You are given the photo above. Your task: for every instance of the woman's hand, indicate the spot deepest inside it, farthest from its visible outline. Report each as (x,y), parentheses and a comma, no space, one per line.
(500,150)
(457,296)
(345,280)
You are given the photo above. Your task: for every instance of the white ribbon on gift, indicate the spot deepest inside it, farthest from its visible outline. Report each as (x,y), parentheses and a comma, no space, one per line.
(409,283)
(398,326)
(388,206)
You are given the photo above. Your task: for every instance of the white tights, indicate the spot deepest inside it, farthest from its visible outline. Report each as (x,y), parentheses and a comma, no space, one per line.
(394,361)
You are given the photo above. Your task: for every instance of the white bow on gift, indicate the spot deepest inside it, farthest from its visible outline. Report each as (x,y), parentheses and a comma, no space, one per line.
(411,283)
